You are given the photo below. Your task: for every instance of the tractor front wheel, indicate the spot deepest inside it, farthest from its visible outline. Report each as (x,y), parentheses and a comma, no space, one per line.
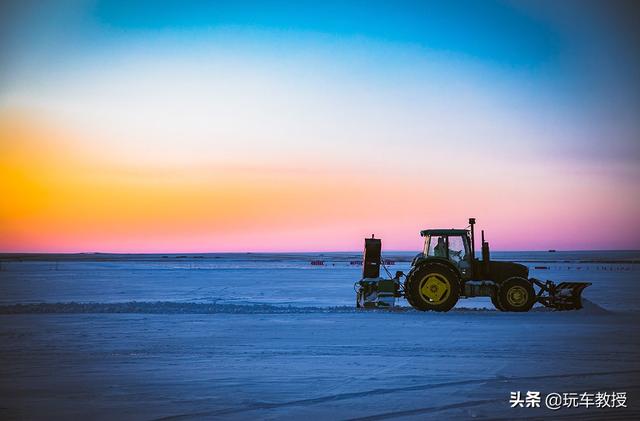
(516,294)
(432,287)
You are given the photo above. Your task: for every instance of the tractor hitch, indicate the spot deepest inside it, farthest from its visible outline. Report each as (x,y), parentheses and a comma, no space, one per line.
(378,292)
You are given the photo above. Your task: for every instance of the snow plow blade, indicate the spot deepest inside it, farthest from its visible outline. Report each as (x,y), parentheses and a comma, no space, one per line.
(562,296)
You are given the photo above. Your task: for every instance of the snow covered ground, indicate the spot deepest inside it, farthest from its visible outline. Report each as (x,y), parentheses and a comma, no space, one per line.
(272,337)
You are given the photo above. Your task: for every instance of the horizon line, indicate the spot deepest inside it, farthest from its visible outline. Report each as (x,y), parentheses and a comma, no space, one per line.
(11,253)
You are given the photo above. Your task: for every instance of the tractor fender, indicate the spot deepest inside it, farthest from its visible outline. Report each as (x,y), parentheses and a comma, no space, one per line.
(421,262)
(417,258)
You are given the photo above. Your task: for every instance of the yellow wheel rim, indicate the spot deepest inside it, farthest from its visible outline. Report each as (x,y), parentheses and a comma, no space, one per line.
(435,288)
(517,296)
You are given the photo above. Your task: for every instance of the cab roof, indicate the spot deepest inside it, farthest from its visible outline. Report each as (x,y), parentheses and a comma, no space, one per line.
(452,232)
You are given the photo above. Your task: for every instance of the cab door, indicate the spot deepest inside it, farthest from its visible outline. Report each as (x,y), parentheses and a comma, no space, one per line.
(459,252)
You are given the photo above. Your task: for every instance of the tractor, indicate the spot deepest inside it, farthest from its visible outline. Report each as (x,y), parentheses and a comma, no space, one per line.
(447,270)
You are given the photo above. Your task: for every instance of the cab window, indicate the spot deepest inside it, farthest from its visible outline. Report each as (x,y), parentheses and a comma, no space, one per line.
(436,246)
(458,249)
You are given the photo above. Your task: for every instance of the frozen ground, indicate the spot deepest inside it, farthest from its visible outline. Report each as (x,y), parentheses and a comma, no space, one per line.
(272,337)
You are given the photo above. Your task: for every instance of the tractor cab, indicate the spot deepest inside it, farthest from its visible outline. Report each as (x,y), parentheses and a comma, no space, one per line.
(450,244)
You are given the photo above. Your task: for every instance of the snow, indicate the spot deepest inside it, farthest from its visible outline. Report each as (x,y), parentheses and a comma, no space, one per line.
(148,340)
(589,307)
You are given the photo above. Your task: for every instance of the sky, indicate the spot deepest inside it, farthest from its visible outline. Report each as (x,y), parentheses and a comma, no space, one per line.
(193,126)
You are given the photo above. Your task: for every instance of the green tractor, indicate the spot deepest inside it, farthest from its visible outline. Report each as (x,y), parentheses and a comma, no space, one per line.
(447,270)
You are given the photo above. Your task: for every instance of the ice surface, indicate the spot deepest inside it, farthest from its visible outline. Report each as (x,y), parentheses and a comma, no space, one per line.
(314,365)
(287,279)
(271,337)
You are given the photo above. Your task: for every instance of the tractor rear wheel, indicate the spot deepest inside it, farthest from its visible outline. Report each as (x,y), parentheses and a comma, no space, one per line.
(516,294)
(432,287)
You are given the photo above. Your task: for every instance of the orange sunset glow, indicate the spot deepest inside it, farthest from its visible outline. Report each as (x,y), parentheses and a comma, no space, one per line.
(59,197)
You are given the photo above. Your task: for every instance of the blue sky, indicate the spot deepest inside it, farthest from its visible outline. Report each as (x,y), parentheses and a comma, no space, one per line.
(489,31)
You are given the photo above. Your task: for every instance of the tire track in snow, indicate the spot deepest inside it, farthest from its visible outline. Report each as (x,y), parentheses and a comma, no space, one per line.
(596,414)
(374,392)
(420,411)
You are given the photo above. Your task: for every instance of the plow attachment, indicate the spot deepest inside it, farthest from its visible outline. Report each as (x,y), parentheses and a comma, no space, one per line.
(562,296)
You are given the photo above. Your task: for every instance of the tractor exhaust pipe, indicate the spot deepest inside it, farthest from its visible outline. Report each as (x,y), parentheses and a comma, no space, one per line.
(486,256)
(472,222)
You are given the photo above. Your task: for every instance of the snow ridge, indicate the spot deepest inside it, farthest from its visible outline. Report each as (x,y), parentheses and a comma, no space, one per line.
(169,307)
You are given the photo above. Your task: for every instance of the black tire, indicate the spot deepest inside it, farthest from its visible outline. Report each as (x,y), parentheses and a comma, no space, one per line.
(496,303)
(443,293)
(516,294)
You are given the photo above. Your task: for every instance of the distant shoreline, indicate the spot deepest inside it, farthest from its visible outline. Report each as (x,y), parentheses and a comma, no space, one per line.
(582,256)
